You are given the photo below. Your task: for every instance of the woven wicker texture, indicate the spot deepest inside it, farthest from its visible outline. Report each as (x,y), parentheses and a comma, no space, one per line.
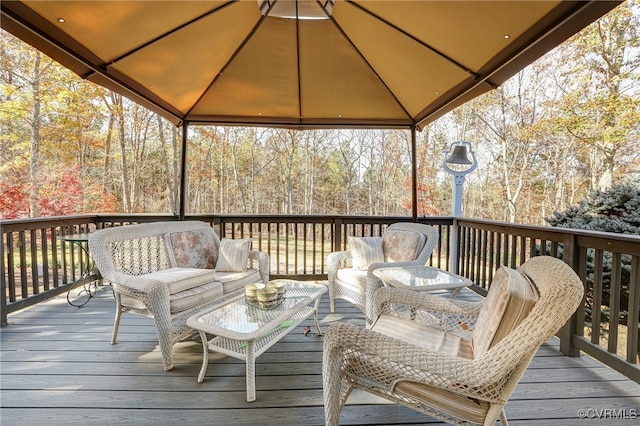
(125,254)
(356,357)
(339,289)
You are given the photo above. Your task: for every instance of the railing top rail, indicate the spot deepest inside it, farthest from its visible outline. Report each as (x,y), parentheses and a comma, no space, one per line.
(545,231)
(14,225)
(320,216)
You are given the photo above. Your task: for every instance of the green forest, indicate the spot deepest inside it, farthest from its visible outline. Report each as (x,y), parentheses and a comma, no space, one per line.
(567,125)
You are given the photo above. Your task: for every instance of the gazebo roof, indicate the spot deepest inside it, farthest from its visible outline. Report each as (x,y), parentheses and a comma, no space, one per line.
(366,64)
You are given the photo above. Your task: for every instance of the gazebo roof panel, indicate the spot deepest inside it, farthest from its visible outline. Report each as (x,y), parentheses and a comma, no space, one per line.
(372,63)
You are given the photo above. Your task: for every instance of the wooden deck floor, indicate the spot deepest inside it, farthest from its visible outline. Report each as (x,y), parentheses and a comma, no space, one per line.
(58,368)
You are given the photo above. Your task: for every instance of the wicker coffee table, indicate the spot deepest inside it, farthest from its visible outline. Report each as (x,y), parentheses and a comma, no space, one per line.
(245,332)
(417,278)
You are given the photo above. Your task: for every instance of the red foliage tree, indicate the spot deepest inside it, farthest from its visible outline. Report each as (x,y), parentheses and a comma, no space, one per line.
(13,201)
(426,195)
(62,194)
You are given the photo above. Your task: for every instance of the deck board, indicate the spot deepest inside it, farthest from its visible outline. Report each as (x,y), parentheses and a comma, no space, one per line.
(58,367)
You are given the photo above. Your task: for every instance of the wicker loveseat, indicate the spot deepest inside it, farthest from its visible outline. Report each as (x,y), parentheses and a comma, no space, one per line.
(170,270)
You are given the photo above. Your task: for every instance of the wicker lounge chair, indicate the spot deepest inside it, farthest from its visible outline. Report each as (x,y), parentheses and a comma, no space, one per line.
(350,272)
(456,361)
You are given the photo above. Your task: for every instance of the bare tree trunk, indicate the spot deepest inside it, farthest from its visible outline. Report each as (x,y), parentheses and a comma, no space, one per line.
(285,145)
(168,174)
(139,136)
(561,159)
(175,162)
(221,183)
(126,191)
(350,153)
(107,150)
(233,141)
(34,162)
(314,163)
(252,183)
(308,173)
(289,171)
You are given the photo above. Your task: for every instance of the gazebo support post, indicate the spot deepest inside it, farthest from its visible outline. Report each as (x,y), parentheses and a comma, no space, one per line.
(183,171)
(414,175)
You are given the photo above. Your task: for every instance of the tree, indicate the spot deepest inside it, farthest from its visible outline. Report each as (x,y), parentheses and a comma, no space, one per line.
(118,107)
(615,210)
(13,203)
(599,77)
(543,139)
(287,144)
(170,162)
(51,203)
(505,123)
(316,154)
(348,156)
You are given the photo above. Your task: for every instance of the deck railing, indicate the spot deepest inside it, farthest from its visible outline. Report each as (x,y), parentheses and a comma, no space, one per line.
(606,324)
(37,264)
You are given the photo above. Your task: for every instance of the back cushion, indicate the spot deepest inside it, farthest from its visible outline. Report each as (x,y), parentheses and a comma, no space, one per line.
(401,246)
(365,251)
(234,255)
(193,249)
(509,300)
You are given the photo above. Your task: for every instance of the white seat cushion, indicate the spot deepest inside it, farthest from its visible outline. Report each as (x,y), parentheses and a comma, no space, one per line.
(182,300)
(470,409)
(354,278)
(186,299)
(234,280)
(180,279)
(434,340)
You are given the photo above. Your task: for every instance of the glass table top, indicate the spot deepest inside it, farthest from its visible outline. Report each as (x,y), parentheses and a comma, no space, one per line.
(420,276)
(239,317)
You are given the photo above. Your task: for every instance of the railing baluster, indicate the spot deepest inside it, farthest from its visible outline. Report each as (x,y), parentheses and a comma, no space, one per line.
(491,262)
(55,262)
(596,306)
(11,267)
(35,276)
(45,259)
(514,251)
(614,301)
(24,287)
(633,340)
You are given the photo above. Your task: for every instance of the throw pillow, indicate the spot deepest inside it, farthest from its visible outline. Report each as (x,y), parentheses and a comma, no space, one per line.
(399,245)
(365,251)
(193,249)
(233,255)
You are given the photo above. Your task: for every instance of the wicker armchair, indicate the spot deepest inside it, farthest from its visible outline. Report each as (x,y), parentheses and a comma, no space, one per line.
(456,361)
(170,270)
(402,244)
